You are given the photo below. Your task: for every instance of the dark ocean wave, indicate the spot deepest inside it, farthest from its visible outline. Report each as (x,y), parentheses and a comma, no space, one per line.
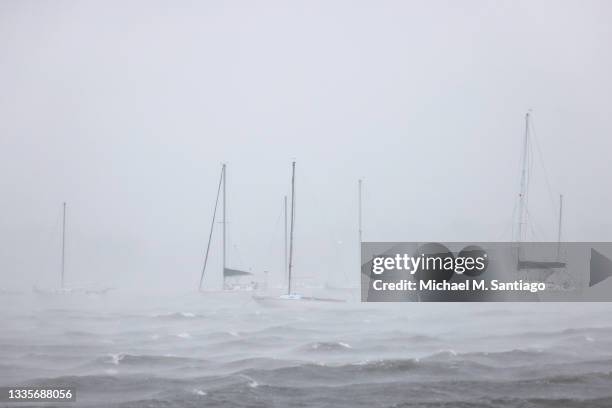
(308,375)
(240,365)
(505,358)
(605,402)
(322,401)
(377,383)
(150,361)
(586,333)
(250,392)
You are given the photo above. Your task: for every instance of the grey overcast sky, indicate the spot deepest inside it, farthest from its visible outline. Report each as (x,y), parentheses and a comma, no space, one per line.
(125,109)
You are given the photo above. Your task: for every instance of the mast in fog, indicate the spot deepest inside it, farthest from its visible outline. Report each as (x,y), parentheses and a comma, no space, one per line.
(212,225)
(225,271)
(523,189)
(63,244)
(560,225)
(224,221)
(544,267)
(285,270)
(359,211)
(291,228)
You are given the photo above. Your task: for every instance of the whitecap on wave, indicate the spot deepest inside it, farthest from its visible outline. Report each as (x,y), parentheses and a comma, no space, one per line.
(251,382)
(116,358)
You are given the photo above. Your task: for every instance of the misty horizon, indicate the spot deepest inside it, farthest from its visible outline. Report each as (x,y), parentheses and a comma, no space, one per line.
(127,112)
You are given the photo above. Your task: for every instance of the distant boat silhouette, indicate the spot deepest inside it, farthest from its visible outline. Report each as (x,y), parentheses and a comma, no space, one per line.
(63,289)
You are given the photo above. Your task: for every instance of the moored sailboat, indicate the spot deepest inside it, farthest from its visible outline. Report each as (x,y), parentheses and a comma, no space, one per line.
(528,268)
(292,297)
(64,289)
(232,277)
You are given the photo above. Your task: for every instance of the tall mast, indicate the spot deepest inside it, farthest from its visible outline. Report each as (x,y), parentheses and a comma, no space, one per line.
(360,230)
(292,226)
(560,224)
(523,190)
(63,242)
(224,170)
(212,226)
(285,257)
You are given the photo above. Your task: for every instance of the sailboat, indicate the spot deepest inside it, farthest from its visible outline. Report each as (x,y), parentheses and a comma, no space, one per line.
(232,278)
(539,270)
(291,296)
(63,289)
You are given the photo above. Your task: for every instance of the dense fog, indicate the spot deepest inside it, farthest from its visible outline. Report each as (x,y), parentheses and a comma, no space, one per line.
(126,110)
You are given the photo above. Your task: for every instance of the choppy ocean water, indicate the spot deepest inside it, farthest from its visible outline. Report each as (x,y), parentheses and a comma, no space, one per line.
(218,350)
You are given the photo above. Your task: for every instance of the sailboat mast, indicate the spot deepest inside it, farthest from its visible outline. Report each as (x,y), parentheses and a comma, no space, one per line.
(359,221)
(523,190)
(212,227)
(560,224)
(63,243)
(292,226)
(285,257)
(360,231)
(224,223)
